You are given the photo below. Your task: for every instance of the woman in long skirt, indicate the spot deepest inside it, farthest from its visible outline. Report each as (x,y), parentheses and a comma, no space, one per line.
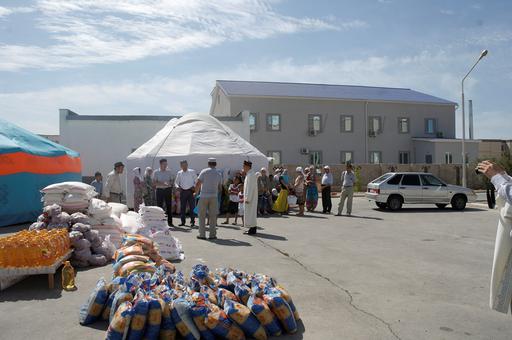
(138,189)
(281,203)
(149,194)
(311,189)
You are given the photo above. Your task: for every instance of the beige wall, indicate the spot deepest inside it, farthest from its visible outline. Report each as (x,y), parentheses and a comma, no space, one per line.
(294,127)
(492,148)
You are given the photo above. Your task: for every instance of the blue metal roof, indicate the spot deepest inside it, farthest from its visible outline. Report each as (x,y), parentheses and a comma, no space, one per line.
(326,91)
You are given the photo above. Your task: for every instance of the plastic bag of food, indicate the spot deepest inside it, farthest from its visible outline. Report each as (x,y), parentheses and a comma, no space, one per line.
(180,313)
(167,327)
(118,208)
(199,311)
(243,317)
(154,318)
(120,297)
(264,315)
(83,228)
(105,315)
(135,266)
(242,292)
(37,226)
(91,310)
(288,298)
(78,217)
(99,208)
(130,258)
(97,260)
(224,295)
(281,309)
(135,249)
(120,323)
(139,316)
(220,325)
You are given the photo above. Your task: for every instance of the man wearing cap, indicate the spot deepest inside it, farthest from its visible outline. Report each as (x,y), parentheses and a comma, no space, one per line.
(208,185)
(162,179)
(326,190)
(264,197)
(112,190)
(185,183)
(250,199)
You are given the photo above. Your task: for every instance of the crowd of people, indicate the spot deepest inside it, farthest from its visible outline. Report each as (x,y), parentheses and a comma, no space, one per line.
(245,195)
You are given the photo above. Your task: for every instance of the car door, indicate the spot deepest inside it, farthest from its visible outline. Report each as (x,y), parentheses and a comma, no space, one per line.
(434,191)
(410,188)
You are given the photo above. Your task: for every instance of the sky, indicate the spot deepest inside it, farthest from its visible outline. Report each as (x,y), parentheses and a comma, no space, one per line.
(161,57)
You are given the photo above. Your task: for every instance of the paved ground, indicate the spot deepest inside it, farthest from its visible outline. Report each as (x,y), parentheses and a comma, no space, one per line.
(420,273)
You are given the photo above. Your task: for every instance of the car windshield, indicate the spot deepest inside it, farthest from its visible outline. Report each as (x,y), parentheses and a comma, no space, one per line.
(382,178)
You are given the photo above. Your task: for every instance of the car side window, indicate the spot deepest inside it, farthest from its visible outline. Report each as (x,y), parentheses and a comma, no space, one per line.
(395,180)
(431,181)
(411,180)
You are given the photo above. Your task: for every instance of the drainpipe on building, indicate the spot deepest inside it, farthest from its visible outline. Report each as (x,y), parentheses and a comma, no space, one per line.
(366,132)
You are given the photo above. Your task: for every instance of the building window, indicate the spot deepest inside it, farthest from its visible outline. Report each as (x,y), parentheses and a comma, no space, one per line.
(375,157)
(347,123)
(428,159)
(430,126)
(315,157)
(253,121)
(375,125)
(274,122)
(403,157)
(448,159)
(314,124)
(347,157)
(276,156)
(403,125)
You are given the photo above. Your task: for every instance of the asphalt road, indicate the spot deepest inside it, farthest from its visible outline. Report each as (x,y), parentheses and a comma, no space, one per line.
(421,273)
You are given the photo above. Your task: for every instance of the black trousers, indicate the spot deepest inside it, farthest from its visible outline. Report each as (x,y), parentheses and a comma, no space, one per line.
(326,199)
(187,198)
(164,196)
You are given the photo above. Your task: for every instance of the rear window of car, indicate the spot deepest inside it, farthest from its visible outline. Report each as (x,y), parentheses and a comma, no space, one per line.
(382,178)
(411,180)
(395,180)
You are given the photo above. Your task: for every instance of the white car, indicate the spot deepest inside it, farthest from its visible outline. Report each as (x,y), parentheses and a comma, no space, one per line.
(394,189)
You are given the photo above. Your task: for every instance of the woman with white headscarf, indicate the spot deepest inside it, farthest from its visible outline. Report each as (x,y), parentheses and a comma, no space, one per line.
(149,189)
(299,190)
(138,187)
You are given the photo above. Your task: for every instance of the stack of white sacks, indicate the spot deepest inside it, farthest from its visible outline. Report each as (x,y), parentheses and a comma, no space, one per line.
(105,221)
(71,196)
(152,222)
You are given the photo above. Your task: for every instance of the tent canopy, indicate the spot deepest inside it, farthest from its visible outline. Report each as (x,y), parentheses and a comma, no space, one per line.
(194,137)
(29,163)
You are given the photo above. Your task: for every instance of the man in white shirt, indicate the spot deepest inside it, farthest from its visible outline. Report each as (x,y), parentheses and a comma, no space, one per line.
(185,184)
(162,179)
(113,191)
(348,180)
(327,182)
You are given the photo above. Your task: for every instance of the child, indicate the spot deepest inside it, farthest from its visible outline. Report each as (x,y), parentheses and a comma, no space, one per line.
(241,204)
(234,190)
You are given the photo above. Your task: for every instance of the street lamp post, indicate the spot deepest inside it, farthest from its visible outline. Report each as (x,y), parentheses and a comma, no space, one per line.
(464,178)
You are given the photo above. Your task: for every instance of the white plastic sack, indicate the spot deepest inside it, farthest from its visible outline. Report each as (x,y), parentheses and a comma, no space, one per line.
(71,187)
(169,246)
(131,222)
(151,209)
(118,208)
(99,208)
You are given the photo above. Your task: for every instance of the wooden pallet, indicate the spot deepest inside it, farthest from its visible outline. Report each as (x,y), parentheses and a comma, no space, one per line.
(13,275)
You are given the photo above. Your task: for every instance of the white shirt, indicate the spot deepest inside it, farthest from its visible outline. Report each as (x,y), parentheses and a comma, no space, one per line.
(503,184)
(348,179)
(112,184)
(327,179)
(186,179)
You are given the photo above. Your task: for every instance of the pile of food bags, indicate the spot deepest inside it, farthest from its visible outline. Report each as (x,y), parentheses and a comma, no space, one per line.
(71,196)
(153,219)
(160,303)
(104,221)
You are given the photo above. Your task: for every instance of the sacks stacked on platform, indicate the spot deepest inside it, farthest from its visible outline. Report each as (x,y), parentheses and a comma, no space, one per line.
(153,219)
(71,196)
(52,218)
(104,221)
(228,304)
(90,249)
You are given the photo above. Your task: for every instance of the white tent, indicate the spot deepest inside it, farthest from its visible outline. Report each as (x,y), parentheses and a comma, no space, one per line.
(194,137)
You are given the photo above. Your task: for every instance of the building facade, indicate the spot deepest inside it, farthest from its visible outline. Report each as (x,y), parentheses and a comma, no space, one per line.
(332,124)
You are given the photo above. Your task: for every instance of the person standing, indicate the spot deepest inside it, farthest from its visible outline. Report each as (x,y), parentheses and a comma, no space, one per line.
(348,180)
(233,191)
(208,186)
(299,190)
(327,182)
(162,180)
(113,191)
(250,199)
(185,183)
(138,189)
(264,192)
(97,183)
(311,189)
(149,193)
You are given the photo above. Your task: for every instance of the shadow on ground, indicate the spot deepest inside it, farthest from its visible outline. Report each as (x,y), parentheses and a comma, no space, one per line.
(34,287)
(429,210)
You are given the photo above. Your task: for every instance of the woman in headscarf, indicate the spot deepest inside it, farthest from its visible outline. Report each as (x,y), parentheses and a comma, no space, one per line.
(138,188)
(149,193)
(311,189)
(299,190)
(281,203)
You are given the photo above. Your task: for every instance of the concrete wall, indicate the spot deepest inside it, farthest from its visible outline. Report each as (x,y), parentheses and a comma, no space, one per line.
(449,173)
(493,149)
(331,141)
(438,149)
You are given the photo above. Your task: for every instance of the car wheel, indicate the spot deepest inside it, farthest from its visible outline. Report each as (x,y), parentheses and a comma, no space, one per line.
(441,206)
(381,205)
(395,203)
(459,202)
